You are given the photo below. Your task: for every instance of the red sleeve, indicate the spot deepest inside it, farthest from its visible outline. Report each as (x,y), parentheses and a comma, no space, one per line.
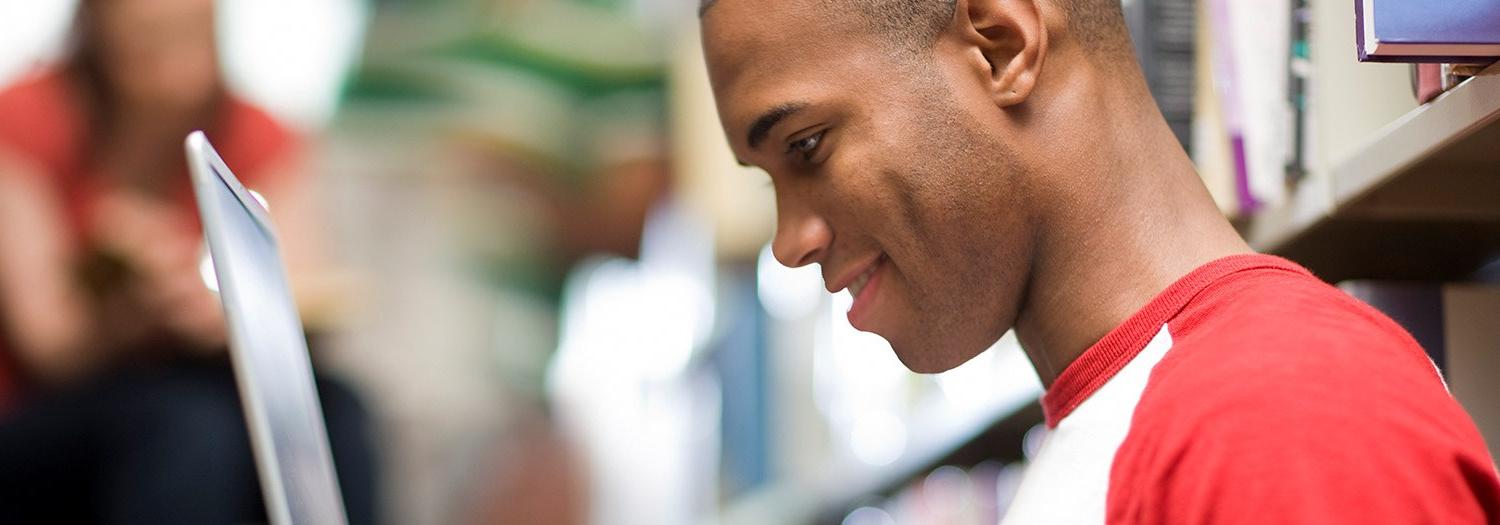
(38,125)
(252,142)
(38,122)
(1300,407)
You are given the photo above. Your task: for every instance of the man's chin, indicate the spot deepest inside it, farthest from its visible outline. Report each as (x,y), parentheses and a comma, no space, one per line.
(932,357)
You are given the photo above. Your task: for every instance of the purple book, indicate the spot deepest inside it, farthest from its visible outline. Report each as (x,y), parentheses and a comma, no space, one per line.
(1226,81)
(1451,31)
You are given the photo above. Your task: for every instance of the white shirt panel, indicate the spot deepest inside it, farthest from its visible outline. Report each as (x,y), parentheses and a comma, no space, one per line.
(1068,480)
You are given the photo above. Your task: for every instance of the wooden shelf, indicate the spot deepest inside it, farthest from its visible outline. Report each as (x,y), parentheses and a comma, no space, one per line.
(1420,200)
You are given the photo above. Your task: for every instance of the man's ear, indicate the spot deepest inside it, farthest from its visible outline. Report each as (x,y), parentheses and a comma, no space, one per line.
(1011,36)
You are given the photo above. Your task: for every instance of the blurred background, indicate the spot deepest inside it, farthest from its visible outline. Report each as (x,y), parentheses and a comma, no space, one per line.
(538,286)
(541,271)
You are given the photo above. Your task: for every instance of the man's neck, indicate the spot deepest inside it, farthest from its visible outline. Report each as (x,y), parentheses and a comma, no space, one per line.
(1145,221)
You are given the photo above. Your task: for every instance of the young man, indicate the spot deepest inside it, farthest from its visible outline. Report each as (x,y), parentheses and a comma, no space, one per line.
(965,167)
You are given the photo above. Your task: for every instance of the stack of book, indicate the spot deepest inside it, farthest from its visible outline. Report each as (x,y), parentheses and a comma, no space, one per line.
(1244,139)
(1279,98)
(1446,42)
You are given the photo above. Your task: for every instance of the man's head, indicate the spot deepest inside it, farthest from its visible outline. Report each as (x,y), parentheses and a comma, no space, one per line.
(913,146)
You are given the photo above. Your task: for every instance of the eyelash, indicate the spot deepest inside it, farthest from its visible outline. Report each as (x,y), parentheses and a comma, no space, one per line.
(812,142)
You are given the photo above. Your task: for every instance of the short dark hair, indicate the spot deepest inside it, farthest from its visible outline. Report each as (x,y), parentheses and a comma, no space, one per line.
(911,24)
(1099,25)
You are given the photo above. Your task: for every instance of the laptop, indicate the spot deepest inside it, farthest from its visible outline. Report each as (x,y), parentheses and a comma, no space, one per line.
(267,346)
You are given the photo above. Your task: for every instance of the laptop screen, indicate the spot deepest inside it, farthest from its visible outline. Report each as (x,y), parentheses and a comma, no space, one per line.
(272,367)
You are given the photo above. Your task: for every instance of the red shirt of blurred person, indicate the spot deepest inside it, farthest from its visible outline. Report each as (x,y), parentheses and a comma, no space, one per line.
(43,119)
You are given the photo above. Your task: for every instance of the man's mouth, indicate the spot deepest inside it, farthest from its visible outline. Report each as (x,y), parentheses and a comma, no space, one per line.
(864,288)
(863,279)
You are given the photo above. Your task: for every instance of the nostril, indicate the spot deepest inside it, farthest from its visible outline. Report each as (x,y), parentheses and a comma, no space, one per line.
(810,257)
(796,258)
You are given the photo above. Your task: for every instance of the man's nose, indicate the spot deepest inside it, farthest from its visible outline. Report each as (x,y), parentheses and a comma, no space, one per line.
(801,239)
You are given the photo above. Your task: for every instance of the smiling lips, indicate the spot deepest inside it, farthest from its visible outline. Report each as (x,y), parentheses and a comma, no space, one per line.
(864,288)
(858,285)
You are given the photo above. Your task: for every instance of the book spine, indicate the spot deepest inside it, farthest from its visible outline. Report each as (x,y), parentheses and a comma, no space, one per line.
(1226,83)
(1298,70)
(1175,28)
(1427,81)
(1359,31)
(1163,33)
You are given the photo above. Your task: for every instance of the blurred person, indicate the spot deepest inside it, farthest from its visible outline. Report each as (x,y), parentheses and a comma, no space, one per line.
(121,403)
(967,167)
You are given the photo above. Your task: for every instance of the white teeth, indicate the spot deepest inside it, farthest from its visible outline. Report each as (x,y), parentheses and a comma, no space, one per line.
(864,278)
(858,284)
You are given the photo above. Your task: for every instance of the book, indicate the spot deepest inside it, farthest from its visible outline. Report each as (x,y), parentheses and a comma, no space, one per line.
(1163,33)
(1254,43)
(1456,31)
(1430,80)
(1225,78)
(1210,143)
(1426,81)
(1299,70)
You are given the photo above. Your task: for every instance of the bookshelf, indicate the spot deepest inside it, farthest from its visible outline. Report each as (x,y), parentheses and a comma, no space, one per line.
(1418,200)
(994,432)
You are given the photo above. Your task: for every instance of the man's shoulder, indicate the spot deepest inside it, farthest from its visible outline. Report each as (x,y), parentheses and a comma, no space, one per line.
(1273,351)
(1273,318)
(1279,387)
(1283,361)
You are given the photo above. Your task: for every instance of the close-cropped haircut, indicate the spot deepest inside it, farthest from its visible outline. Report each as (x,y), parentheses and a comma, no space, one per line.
(1098,25)
(908,24)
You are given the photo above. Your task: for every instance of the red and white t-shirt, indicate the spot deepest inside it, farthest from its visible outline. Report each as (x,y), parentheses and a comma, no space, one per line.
(1251,392)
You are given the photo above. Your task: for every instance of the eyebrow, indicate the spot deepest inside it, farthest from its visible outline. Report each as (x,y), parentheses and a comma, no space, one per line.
(768,120)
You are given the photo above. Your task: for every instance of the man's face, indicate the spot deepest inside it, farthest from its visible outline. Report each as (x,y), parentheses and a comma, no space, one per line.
(885,170)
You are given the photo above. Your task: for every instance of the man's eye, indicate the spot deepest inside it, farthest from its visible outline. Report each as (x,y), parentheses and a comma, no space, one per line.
(807,146)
